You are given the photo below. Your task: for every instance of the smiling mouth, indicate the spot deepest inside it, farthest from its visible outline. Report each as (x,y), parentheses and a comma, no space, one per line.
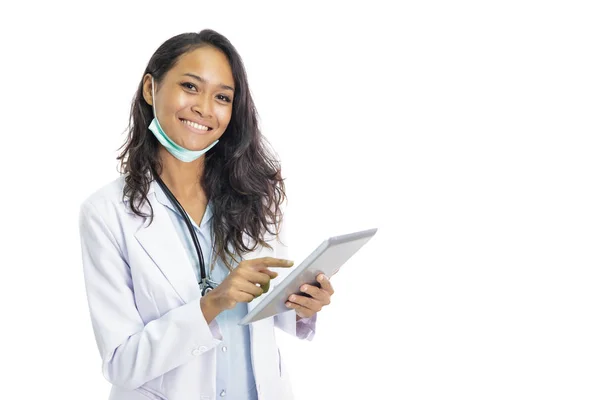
(195,125)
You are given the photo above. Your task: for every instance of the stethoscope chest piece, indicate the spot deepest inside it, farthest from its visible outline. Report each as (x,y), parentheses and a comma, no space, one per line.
(205,286)
(205,290)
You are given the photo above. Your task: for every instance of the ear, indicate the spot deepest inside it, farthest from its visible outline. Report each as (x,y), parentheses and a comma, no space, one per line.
(147,88)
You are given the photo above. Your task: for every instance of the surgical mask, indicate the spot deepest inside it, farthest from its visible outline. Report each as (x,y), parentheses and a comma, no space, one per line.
(181,153)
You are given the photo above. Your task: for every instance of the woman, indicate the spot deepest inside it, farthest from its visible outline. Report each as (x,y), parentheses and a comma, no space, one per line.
(196,208)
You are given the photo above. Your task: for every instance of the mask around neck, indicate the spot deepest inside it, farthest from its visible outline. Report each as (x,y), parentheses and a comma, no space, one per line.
(181,153)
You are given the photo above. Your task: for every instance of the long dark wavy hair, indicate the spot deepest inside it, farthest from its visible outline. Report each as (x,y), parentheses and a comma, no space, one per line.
(242,178)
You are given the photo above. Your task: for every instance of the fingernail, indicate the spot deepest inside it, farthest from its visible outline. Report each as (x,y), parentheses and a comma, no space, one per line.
(304,288)
(293,298)
(320,278)
(290,262)
(288,305)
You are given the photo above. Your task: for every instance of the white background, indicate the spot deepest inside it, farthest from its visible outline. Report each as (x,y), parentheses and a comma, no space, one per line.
(466,131)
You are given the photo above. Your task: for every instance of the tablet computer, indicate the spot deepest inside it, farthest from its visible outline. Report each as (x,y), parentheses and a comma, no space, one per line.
(326,258)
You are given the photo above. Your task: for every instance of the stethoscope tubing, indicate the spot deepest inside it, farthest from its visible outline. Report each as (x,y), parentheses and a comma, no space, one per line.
(205,283)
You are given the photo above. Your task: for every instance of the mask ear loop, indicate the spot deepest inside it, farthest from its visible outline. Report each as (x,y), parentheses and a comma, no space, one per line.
(153,99)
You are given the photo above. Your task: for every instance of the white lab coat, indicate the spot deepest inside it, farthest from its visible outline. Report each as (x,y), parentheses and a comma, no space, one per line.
(144,303)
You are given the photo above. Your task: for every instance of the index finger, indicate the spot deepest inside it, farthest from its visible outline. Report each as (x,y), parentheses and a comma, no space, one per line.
(268,262)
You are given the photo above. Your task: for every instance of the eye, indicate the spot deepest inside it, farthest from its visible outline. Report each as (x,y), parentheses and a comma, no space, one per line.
(189,86)
(222,97)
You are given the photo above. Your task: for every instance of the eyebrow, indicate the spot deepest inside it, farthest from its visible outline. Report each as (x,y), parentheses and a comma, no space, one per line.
(199,78)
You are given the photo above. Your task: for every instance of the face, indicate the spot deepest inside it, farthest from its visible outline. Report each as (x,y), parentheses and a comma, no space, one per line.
(195,98)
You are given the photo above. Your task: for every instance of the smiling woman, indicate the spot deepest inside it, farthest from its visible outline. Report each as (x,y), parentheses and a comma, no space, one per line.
(196,78)
(178,249)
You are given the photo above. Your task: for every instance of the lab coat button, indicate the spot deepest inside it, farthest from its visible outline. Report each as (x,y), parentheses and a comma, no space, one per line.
(223,393)
(199,350)
(224,349)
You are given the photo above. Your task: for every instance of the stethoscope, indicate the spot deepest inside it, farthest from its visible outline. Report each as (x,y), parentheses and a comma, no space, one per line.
(205,284)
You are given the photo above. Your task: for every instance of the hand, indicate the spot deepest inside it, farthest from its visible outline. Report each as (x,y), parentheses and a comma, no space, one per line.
(241,285)
(306,307)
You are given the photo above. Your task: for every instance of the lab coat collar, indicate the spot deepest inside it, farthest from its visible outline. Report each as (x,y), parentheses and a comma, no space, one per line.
(154,190)
(164,200)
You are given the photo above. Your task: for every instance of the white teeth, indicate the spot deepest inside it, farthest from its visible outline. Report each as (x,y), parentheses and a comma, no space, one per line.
(195,125)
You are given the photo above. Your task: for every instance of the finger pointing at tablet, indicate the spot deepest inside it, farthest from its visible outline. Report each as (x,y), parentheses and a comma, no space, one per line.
(247,281)
(326,260)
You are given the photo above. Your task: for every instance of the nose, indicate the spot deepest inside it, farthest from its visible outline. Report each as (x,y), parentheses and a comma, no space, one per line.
(203,106)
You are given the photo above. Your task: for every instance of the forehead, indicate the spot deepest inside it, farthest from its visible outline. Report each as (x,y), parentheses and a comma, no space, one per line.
(207,62)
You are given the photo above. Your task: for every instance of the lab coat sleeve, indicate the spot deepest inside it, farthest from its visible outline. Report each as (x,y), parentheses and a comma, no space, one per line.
(304,328)
(132,352)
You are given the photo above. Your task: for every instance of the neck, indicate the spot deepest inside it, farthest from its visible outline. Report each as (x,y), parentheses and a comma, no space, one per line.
(182,178)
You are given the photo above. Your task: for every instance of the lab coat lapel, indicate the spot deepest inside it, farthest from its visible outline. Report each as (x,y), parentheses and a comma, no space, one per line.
(162,243)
